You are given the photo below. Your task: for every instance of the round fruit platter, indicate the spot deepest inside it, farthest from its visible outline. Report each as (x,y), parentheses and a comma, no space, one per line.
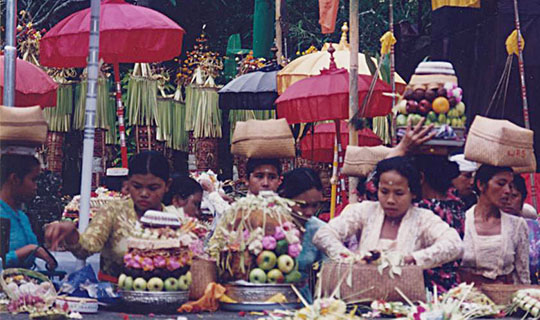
(172,299)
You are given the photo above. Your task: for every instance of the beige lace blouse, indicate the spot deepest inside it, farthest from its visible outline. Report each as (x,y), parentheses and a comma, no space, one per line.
(421,234)
(494,256)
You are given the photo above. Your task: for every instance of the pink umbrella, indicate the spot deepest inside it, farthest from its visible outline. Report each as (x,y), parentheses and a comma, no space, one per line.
(128,33)
(33,86)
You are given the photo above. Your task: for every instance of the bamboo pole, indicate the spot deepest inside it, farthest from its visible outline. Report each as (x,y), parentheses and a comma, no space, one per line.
(524,94)
(392,75)
(353,86)
(279,32)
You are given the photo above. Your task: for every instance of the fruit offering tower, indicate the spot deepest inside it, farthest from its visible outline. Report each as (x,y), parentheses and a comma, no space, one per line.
(433,93)
(159,255)
(257,240)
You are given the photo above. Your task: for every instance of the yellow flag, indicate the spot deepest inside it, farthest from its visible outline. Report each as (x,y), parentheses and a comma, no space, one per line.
(512,43)
(387,41)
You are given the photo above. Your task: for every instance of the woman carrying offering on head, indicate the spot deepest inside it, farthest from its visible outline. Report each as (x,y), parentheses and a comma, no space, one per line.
(112,225)
(496,243)
(392,223)
(17,186)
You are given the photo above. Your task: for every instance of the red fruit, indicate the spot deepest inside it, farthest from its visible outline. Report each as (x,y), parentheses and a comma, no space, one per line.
(441,92)
(424,107)
(412,106)
(452,101)
(431,95)
(408,95)
(419,94)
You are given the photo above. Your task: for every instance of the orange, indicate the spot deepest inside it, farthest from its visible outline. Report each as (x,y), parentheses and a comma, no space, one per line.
(440,105)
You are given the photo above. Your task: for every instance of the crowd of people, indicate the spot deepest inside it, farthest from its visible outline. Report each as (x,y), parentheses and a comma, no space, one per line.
(459,221)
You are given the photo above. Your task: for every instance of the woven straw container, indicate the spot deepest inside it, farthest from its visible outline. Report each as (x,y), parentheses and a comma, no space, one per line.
(360,161)
(23,126)
(263,139)
(364,282)
(203,272)
(499,143)
(501,294)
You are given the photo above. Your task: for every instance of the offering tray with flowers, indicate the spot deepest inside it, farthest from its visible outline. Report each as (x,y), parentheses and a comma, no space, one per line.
(98,199)
(32,292)
(256,244)
(157,263)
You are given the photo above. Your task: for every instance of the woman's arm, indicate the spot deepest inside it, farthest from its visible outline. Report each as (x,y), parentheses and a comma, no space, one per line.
(443,243)
(521,259)
(413,138)
(329,239)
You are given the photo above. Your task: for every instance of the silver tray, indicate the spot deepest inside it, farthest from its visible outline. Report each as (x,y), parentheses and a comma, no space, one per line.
(258,293)
(174,298)
(258,306)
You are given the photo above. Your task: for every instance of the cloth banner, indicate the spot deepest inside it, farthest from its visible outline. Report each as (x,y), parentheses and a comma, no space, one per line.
(327,15)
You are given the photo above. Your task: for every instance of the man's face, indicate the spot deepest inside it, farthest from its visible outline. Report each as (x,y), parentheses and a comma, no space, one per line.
(464,183)
(514,203)
(264,178)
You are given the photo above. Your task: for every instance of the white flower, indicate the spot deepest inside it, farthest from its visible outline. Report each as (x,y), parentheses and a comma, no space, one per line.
(255,247)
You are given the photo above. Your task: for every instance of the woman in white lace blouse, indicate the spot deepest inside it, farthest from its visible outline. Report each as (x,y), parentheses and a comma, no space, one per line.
(392,223)
(496,243)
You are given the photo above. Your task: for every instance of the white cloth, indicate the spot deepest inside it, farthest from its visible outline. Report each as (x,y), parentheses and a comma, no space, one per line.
(513,253)
(422,234)
(464,165)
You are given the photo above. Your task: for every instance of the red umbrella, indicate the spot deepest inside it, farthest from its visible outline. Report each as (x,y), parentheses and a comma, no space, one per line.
(320,145)
(128,33)
(326,97)
(33,86)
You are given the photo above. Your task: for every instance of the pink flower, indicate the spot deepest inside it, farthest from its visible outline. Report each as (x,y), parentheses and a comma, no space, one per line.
(133,264)
(147,264)
(173,264)
(295,249)
(279,234)
(160,262)
(128,257)
(269,243)
(246,235)
(288,226)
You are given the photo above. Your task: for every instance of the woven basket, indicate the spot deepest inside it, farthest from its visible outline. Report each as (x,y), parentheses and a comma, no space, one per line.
(367,283)
(499,143)
(501,294)
(203,272)
(263,139)
(23,126)
(360,161)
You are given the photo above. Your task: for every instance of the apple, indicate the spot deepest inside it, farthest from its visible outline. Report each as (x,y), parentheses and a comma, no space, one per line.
(431,95)
(183,283)
(257,275)
(424,107)
(441,92)
(128,283)
(139,284)
(155,284)
(266,260)
(171,284)
(121,280)
(294,276)
(285,263)
(401,120)
(282,247)
(453,101)
(408,95)
(412,106)
(188,277)
(460,107)
(275,276)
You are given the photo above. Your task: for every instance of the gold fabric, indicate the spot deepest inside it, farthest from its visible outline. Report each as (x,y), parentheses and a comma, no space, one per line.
(108,233)
(436,4)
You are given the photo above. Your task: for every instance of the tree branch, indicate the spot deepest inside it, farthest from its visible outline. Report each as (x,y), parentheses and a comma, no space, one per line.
(55,9)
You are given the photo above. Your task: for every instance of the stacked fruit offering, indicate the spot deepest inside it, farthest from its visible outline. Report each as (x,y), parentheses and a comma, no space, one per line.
(257,240)
(276,263)
(159,254)
(434,95)
(28,291)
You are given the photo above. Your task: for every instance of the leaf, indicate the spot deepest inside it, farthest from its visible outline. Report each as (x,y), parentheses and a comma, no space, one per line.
(371,65)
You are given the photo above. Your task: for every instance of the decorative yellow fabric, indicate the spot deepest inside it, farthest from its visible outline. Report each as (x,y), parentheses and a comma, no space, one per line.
(387,41)
(436,4)
(421,234)
(108,233)
(512,43)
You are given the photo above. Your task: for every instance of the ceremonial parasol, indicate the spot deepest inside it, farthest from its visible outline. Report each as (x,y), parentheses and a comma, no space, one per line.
(326,97)
(252,91)
(33,86)
(318,144)
(128,33)
(311,65)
